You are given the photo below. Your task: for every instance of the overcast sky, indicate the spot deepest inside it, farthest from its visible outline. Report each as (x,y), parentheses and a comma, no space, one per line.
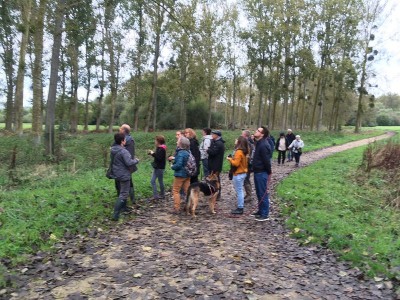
(387,64)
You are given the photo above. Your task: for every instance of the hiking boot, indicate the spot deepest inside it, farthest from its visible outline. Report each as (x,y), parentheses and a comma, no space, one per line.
(262,218)
(237,211)
(255,214)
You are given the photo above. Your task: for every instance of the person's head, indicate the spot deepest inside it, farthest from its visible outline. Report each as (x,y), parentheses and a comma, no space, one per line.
(206,131)
(261,133)
(242,144)
(184,143)
(119,138)
(178,134)
(297,137)
(190,133)
(160,140)
(216,134)
(246,134)
(282,134)
(125,129)
(289,131)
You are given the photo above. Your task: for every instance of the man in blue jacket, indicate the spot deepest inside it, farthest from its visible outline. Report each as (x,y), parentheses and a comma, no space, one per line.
(262,171)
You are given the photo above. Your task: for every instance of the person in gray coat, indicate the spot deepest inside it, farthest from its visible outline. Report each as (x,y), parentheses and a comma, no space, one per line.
(121,169)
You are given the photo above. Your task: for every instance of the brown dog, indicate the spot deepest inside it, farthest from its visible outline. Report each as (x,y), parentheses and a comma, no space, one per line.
(209,188)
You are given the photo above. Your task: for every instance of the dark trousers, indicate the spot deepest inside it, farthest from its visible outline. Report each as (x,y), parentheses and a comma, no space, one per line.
(281,156)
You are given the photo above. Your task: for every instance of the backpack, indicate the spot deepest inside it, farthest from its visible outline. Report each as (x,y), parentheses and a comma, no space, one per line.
(191,167)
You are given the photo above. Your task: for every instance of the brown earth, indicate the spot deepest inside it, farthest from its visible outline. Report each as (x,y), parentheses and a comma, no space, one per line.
(157,255)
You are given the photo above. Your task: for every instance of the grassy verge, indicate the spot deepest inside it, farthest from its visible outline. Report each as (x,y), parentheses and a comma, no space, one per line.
(334,204)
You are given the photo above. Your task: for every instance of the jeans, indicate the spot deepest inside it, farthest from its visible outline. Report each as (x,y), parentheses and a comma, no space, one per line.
(238,183)
(158,174)
(261,184)
(289,155)
(206,171)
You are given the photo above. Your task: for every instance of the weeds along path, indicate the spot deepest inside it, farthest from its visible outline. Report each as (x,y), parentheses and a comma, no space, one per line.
(160,256)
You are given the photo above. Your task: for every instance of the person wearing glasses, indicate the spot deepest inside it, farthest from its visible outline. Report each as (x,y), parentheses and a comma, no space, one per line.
(262,171)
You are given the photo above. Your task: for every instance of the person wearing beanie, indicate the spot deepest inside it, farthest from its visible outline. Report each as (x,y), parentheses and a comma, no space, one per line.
(297,148)
(281,146)
(216,155)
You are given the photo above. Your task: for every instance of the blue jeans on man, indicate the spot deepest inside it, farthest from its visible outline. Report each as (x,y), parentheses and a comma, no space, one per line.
(261,184)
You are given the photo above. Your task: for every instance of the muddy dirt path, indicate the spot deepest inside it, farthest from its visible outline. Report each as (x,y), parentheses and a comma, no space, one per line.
(161,256)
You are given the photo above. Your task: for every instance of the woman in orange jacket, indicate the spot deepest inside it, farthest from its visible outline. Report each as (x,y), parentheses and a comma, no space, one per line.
(239,164)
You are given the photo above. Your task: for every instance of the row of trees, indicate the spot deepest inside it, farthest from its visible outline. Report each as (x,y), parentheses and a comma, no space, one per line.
(297,63)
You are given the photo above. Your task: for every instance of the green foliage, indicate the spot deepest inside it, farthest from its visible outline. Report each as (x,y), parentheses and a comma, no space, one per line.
(338,212)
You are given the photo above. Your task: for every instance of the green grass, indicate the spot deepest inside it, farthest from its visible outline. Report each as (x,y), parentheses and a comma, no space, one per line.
(325,204)
(45,199)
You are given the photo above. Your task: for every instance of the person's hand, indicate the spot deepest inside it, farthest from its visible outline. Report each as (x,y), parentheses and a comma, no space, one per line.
(171,158)
(150,152)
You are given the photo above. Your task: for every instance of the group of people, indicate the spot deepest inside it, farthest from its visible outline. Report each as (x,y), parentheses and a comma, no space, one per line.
(290,144)
(252,154)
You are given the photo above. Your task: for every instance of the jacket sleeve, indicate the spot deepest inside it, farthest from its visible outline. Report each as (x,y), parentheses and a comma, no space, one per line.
(179,163)
(127,158)
(236,159)
(266,157)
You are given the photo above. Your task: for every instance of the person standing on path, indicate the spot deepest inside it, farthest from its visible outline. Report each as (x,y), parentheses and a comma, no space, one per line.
(281,146)
(181,178)
(216,155)
(178,135)
(158,165)
(297,148)
(205,144)
(122,169)
(247,184)
(262,171)
(240,164)
(130,146)
(290,137)
(194,149)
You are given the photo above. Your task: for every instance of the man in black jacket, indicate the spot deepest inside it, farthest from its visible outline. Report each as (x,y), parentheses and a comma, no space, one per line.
(262,171)
(216,155)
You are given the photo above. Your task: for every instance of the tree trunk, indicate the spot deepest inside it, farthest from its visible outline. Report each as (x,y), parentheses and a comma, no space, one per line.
(37,82)
(26,8)
(55,61)
(152,112)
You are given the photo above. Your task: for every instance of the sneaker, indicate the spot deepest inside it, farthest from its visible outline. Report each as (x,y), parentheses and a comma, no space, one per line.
(262,219)
(255,214)
(237,211)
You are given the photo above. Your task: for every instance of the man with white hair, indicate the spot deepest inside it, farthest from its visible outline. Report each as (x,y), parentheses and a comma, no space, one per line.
(290,138)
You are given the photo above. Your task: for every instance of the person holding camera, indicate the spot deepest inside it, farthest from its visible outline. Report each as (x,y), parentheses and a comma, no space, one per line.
(158,164)
(239,169)
(297,148)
